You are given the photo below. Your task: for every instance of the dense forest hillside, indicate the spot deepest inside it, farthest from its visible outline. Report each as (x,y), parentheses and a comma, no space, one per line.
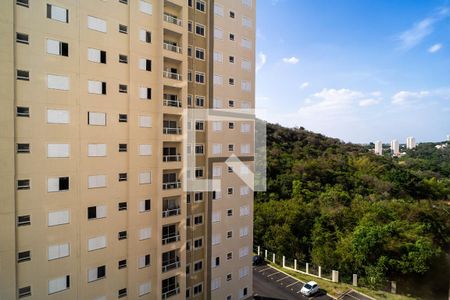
(339,206)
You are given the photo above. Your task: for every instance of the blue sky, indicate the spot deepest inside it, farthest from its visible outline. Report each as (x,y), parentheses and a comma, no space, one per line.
(358,70)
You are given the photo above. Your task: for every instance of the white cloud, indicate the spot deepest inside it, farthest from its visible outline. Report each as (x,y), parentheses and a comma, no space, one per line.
(369,102)
(406,97)
(291,60)
(261,61)
(419,31)
(435,48)
(304,85)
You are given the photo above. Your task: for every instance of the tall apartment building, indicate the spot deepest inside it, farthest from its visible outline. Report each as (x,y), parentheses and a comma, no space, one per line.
(410,142)
(378,148)
(93,115)
(395,147)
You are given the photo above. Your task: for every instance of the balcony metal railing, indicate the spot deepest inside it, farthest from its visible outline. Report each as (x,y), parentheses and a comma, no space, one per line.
(172,19)
(170,292)
(170,265)
(170,238)
(171,102)
(171,47)
(171,75)
(171,185)
(171,212)
(172,130)
(171,158)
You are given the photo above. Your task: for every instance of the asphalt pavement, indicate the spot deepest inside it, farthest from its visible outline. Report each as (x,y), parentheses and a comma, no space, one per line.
(271,284)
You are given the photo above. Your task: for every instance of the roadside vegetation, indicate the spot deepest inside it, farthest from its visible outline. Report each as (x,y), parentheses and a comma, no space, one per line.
(341,207)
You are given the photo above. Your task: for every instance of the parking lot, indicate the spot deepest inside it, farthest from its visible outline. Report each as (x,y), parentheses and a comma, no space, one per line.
(269,283)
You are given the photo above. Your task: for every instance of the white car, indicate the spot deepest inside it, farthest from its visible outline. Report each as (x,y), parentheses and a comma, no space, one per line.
(310,288)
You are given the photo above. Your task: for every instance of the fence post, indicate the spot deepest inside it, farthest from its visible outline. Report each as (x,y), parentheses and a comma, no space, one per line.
(284,261)
(355,280)
(393,287)
(259,250)
(307,268)
(265,254)
(295,265)
(319,272)
(335,276)
(273,258)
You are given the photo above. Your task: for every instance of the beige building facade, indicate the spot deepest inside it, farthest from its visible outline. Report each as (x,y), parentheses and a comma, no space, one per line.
(94,203)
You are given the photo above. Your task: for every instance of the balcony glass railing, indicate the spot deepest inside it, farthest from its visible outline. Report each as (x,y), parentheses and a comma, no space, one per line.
(171,158)
(169,292)
(171,75)
(171,130)
(167,239)
(172,47)
(172,102)
(171,185)
(172,19)
(171,212)
(170,265)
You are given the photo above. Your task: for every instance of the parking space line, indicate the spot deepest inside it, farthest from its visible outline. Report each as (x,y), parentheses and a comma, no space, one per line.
(282,278)
(294,283)
(265,269)
(273,274)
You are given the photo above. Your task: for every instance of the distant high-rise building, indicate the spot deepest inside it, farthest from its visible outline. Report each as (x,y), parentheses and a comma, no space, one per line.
(395,147)
(448,137)
(410,142)
(378,148)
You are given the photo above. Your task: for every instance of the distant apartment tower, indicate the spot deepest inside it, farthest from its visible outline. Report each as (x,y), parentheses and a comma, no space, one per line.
(410,143)
(448,137)
(92,149)
(378,148)
(395,147)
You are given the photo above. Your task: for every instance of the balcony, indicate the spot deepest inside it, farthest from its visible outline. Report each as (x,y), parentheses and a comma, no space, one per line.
(171,100)
(171,185)
(170,261)
(171,126)
(171,207)
(170,46)
(172,75)
(170,234)
(172,19)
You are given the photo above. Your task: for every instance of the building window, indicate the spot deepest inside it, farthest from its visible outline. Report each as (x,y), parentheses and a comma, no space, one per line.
(57,13)
(230,169)
(123,59)
(198,266)
(190,26)
(200,29)
(57,48)
(96,212)
(123,1)
(231,36)
(199,125)
(23,184)
(232,14)
(229,255)
(58,251)
(96,87)
(23,3)
(200,53)
(200,5)
(231,59)
(122,235)
(145,93)
(96,118)
(231,103)
(57,184)
(96,24)
(56,218)
(22,38)
(96,273)
(24,220)
(144,261)
(199,77)
(198,289)
(198,220)
(122,293)
(198,172)
(199,149)
(145,36)
(123,88)
(230,147)
(145,7)
(23,256)
(199,101)
(198,243)
(230,191)
(58,284)
(145,205)
(231,81)
(122,206)
(230,125)
(198,196)
(58,82)
(123,118)
(229,234)
(123,29)
(122,264)
(23,148)
(24,291)
(22,111)
(98,56)
(23,75)
(145,64)
(123,147)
